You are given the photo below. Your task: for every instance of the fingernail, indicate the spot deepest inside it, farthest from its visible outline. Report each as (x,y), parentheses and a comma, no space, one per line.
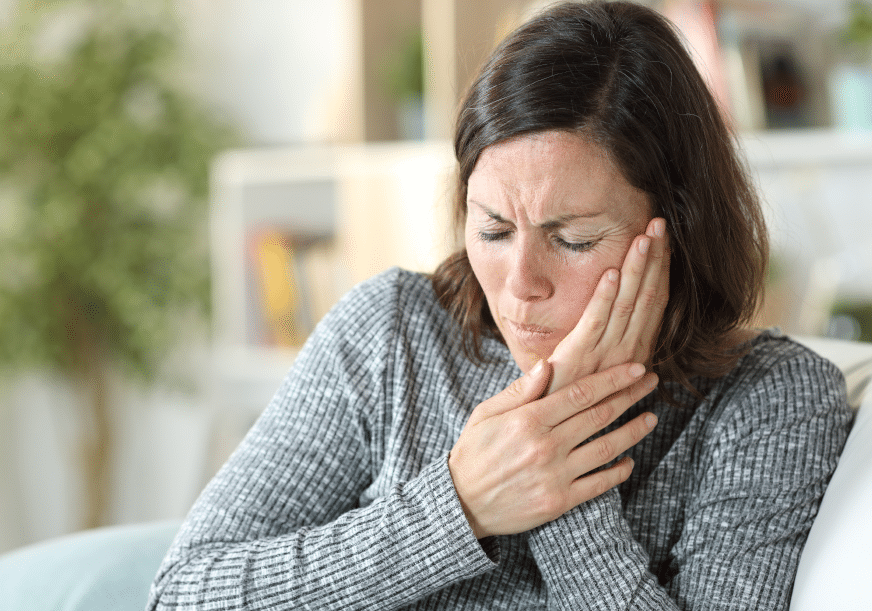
(651,421)
(636,370)
(644,243)
(537,369)
(612,275)
(659,226)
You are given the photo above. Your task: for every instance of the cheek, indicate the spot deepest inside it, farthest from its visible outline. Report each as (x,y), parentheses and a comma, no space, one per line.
(486,266)
(579,281)
(576,288)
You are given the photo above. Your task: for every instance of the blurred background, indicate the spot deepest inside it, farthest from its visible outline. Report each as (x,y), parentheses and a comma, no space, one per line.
(186,186)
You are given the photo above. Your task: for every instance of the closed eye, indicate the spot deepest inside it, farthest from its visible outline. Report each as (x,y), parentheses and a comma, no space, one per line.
(573,246)
(493,236)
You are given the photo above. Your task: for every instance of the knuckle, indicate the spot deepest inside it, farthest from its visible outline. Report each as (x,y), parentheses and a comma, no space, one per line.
(622,309)
(515,390)
(664,252)
(648,299)
(599,415)
(537,420)
(550,503)
(539,453)
(581,393)
(609,478)
(518,427)
(604,449)
(643,344)
(598,323)
(615,379)
(533,450)
(600,483)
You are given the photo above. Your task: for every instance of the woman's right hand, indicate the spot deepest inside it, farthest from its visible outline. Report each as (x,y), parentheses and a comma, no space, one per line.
(522,461)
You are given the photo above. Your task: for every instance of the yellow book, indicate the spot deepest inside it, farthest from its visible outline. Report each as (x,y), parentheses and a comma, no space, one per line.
(273,257)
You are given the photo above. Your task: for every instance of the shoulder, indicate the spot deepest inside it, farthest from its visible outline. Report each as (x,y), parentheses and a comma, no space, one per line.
(393,294)
(392,325)
(379,310)
(377,300)
(779,384)
(776,365)
(353,349)
(373,298)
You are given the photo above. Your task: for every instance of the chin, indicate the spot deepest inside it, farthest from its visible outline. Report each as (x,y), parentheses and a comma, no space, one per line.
(525,358)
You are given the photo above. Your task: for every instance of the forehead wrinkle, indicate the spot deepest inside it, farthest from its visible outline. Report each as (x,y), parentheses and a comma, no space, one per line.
(556,223)
(571,188)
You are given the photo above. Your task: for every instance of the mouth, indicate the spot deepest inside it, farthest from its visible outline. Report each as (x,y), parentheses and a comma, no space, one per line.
(529,332)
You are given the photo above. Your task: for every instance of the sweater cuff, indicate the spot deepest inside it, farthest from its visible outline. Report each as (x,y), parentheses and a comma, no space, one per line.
(588,556)
(452,535)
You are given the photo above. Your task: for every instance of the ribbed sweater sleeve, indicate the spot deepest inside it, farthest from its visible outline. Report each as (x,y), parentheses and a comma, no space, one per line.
(761,464)
(280,525)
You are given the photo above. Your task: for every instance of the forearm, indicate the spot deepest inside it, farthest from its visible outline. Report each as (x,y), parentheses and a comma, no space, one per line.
(398,549)
(589,560)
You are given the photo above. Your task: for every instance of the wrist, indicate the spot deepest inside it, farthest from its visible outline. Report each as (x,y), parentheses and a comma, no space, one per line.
(477,529)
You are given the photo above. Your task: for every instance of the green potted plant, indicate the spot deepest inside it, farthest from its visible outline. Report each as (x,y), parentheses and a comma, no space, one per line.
(404,83)
(851,79)
(103,172)
(856,35)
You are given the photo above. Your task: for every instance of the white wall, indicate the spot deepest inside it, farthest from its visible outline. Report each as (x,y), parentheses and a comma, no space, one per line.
(287,69)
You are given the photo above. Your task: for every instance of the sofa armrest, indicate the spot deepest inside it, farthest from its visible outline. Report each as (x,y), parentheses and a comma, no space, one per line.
(106,569)
(834,564)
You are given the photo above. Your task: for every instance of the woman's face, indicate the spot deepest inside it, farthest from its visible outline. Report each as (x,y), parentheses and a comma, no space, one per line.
(547,215)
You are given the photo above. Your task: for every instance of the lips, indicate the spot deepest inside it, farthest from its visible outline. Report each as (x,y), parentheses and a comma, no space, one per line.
(529,332)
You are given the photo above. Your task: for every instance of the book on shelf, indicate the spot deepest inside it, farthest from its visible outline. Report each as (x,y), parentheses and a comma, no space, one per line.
(294,280)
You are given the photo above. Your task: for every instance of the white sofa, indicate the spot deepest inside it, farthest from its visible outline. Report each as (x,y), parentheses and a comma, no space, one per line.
(836,559)
(110,569)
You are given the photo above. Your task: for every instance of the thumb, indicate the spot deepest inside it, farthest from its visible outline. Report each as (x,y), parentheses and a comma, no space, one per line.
(524,390)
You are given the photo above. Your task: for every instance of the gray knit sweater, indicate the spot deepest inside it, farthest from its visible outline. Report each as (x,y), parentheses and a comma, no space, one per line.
(340,496)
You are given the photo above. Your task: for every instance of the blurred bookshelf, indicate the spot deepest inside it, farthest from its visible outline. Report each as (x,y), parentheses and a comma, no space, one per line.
(292,229)
(813,186)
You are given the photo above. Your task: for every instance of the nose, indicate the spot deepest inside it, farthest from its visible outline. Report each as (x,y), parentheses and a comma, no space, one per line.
(529,277)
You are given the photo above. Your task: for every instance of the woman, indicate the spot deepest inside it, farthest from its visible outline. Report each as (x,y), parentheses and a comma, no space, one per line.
(449,442)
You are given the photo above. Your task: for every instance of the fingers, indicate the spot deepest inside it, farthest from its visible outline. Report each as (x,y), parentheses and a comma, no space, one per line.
(653,292)
(596,314)
(522,391)
(602,450)
(632,272)
(586,334)
(591,486)
(621,322)
(583,425)
(585,393)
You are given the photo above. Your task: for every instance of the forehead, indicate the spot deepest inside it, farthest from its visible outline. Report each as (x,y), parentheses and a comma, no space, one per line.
(552,174)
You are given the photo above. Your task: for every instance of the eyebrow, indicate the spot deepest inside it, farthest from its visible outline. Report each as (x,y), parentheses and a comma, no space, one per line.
(560,221)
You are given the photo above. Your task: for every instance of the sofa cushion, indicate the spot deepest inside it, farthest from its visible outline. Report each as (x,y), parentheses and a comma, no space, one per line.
(98,570)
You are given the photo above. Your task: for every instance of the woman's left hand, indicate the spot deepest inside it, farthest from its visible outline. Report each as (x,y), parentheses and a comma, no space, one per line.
(621,322)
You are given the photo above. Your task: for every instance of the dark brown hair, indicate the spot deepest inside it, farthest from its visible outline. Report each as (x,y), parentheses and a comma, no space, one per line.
(618,74)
